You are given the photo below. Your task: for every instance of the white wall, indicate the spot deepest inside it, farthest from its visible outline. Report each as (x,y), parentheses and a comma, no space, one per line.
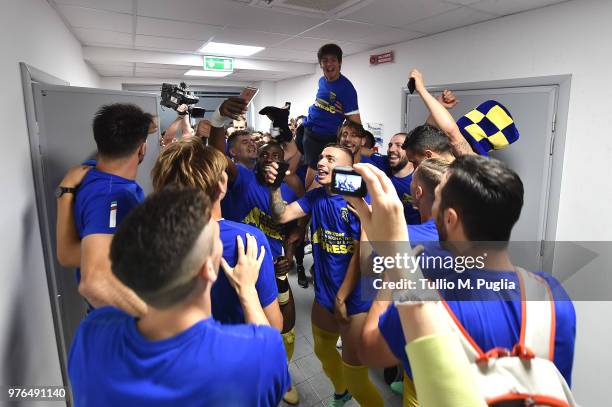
(31,32)
(265,97)
(569,38)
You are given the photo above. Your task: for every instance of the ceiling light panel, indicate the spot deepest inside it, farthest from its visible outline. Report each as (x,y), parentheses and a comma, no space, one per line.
(225,49)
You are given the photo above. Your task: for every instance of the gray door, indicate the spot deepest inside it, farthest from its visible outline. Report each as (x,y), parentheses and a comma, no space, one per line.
(64,118)
(533,109)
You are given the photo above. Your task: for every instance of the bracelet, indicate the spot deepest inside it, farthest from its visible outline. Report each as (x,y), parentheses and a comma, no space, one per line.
(217,120)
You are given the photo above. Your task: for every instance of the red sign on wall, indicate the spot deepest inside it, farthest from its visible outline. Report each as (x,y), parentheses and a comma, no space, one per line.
(382,58)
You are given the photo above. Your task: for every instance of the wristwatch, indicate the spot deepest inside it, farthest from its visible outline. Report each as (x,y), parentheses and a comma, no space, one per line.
(64,190)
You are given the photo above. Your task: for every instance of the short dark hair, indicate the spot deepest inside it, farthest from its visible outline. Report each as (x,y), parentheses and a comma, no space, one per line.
(272,144)
(487,195)
(231,140)
(153,251)
(330,49)
(119,129)
(427,137)
(341,147)
(370,140)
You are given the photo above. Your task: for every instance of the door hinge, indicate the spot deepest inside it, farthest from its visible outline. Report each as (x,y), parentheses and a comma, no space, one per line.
(541,248)
(552,144)
(554,132)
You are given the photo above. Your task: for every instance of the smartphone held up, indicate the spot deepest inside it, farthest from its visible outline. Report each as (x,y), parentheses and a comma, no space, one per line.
(248,93)
(346,181)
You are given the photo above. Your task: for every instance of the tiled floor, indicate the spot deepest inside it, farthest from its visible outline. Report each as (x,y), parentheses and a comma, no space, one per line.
(306,372)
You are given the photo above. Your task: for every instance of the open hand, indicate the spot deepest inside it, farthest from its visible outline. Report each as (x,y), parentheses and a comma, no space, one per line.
(244,274)
(75,175)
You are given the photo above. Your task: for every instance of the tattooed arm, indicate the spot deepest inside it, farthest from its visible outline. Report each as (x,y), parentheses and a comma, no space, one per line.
(281,212)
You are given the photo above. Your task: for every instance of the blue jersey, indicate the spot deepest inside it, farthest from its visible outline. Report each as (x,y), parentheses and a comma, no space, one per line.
(112,364)
(102,201)
(250,204)
(225,304)
(495,321)
(401,184)
(334,100)
(333,228)
(424,233)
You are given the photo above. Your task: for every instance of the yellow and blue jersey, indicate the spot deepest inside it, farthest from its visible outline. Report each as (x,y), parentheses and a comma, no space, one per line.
(112,364)
(326,114)
(248,201)
(333,231)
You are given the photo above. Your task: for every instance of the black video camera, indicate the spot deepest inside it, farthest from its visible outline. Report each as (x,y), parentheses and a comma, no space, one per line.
(173,96)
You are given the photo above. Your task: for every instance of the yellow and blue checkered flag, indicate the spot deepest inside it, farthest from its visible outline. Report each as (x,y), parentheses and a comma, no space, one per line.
(488,127)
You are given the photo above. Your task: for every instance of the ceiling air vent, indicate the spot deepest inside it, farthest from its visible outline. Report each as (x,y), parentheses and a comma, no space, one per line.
(314,5)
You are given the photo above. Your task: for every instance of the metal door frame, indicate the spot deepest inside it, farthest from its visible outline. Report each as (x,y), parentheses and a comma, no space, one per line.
(30,76)
(32,79)
(555,167)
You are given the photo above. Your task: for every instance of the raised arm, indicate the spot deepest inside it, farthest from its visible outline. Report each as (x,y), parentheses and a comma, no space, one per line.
(184,123)
(448,100)
(98,284)
(442,118)
(382,222)
(231,108)
(281,212)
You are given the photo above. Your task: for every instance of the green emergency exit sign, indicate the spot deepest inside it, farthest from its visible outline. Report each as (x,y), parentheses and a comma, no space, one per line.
(219,64)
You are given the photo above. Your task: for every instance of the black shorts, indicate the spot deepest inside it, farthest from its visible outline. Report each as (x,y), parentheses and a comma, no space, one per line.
(313,146)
